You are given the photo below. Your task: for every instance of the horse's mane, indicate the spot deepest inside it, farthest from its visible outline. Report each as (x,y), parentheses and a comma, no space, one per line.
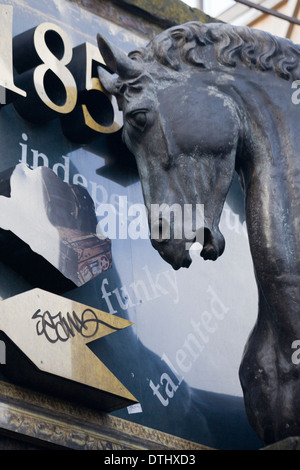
(232,44)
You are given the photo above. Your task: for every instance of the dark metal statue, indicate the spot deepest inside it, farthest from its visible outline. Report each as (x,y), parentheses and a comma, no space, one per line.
(200,102)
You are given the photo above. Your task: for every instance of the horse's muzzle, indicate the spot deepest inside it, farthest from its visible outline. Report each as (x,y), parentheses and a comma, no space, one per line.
(173,252)
(214,244)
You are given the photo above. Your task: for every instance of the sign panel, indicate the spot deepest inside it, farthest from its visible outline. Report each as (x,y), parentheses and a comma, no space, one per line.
(179,358)
(53,334)
(56,219)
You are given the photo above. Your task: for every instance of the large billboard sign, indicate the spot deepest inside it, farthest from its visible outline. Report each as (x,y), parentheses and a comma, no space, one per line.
(76,256)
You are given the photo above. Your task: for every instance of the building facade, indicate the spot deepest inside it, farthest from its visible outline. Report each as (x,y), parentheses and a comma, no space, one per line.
(76,252)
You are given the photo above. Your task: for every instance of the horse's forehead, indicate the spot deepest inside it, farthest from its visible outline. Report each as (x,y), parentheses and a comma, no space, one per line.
(150,92)
(153,79)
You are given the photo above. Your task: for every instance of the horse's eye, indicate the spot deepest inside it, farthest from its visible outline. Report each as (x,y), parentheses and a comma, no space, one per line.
(138,119)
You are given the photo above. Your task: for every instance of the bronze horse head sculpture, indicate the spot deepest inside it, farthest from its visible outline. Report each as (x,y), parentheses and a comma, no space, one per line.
(201,102)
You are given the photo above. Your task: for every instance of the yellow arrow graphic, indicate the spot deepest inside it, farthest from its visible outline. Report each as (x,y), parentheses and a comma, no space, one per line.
(53,332)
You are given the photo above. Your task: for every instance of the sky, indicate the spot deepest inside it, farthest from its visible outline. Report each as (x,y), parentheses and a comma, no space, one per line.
(212,7)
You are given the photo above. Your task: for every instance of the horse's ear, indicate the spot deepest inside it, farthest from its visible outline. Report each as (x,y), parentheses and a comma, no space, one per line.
(117,61)
(108,81)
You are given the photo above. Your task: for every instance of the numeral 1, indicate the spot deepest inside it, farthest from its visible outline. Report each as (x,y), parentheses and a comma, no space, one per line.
(6,63)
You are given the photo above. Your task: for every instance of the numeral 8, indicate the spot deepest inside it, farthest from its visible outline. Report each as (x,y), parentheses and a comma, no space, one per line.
(56,66)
